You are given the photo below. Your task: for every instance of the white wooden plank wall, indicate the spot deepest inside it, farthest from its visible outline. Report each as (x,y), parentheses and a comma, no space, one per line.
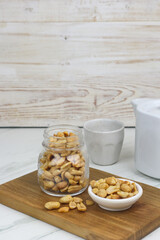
(71,61)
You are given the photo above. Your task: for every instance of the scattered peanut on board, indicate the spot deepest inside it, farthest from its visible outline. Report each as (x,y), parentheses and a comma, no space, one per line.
(73,203)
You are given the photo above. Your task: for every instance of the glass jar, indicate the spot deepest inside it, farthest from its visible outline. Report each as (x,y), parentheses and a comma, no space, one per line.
(63,166)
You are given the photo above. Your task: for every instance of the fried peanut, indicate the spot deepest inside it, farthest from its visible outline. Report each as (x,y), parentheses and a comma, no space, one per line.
(66,199)
(103,186)
(132,194)
(64,189)
(60,161)
(76,188)
(53,139)
(77,199)
(47,175)
(92,183)
(79,164)
(52,145)
(63,175)
(89,202)
(48,184)
(62,184)
(66,134)
(56,172)
(72,134)
(57,179)
(115,196)
(74,152)
(109,197)
(74,158)
(49,156)
(72,182)
(56,156)
(95,190)
(52,169)
(77,178)
(81,207)
(71,168)
(72,144)
(102,193)
(125,188)
(68,175)
(63,209)
(96,184)
(52,163)
(122,194)
(82,169)
(46,154)
(72,205)
(84,182)
(59,134)
(65,154)
(101,181)
(126,182)
(118,184)
(52,205)
(66,166)
(72,138)
(43,160)
(55,188)
(60,142)
(134,187)
(111,180)
(45,166)
(112,189)
(76,172)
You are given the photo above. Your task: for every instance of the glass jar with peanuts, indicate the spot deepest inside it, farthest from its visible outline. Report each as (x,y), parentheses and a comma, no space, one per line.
(63,166)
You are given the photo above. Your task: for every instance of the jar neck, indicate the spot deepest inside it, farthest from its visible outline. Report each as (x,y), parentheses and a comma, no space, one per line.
(74,140)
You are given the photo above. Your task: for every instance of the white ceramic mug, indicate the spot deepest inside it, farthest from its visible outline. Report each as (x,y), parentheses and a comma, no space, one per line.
(104,139)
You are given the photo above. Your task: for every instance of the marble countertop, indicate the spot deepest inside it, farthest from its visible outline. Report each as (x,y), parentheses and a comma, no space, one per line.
(20,148)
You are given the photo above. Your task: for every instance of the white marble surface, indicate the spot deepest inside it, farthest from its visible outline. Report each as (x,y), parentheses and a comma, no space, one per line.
(19,152)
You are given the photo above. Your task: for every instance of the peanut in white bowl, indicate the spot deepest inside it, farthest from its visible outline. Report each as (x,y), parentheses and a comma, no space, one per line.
(116,204)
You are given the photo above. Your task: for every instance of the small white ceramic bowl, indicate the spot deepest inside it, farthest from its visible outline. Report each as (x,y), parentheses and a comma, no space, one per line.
(116,204)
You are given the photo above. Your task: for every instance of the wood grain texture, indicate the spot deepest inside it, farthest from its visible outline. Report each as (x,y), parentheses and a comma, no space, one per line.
(24,194)
(79,11)
(73,72)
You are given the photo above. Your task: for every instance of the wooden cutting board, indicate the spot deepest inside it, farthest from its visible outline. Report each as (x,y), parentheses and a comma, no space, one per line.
(25,195)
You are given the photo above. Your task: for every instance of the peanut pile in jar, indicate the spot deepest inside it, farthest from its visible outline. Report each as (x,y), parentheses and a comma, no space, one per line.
(113,188)
(63,165)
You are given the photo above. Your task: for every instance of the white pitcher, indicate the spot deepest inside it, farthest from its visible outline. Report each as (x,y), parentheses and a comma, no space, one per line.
(147,140)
